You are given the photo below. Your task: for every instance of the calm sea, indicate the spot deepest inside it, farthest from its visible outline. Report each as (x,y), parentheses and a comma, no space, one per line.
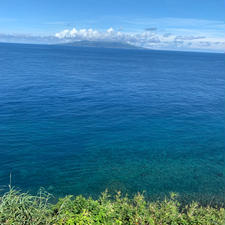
(80,120)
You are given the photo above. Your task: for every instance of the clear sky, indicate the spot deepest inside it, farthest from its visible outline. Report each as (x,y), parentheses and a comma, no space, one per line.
(194,24)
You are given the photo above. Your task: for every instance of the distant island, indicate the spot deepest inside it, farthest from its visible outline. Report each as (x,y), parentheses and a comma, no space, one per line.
(101,44)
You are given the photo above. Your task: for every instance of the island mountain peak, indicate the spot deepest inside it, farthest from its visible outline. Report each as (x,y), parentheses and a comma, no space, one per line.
(102,44)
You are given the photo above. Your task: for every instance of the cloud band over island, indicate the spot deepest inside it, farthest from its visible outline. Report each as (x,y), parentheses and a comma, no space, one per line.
(149,38)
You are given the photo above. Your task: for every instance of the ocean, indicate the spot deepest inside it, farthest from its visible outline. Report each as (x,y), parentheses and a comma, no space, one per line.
(78,120)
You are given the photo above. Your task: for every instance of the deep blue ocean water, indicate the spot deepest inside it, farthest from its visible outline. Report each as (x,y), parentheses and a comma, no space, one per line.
(80,120)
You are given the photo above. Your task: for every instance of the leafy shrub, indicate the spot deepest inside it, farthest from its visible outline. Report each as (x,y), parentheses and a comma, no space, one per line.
(23,209)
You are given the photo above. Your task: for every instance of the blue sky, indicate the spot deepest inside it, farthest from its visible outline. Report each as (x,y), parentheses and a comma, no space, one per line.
(159,24)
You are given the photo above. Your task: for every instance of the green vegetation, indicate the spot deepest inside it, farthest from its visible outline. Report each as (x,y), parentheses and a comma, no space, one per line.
(24,209)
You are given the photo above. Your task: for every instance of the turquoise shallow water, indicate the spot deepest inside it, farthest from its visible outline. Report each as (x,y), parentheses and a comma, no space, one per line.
(80,120)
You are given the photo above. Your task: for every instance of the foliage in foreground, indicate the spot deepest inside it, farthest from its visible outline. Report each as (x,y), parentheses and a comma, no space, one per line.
(23,209)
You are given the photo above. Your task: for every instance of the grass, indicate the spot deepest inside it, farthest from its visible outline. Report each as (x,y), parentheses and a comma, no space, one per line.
(18,208)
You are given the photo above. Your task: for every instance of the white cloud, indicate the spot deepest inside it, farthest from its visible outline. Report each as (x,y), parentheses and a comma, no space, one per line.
(151,38)
(148,39)
(110,30)
(108,35)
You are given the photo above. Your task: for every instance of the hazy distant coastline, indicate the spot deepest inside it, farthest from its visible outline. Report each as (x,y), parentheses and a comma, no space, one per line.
(102,44)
